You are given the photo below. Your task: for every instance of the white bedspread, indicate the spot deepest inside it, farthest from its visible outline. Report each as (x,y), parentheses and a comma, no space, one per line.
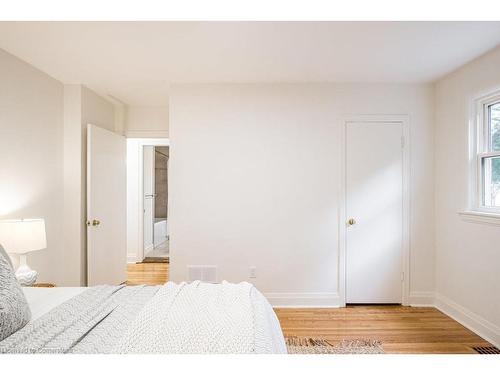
(177,318)
(205,318)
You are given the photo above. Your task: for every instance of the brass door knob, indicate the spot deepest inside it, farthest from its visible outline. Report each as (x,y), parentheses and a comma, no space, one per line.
(351,221)
(95,222)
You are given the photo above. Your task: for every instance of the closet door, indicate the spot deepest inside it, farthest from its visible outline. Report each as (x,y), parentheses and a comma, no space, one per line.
(374,211)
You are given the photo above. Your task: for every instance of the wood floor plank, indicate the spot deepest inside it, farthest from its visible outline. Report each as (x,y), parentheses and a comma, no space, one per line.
(401,329)
(147,273)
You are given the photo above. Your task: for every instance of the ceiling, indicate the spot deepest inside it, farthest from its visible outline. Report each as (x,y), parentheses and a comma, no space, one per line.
(137,61)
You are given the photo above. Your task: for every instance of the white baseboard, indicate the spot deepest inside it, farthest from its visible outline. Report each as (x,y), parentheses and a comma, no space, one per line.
(131,259)
(467,318)
(311,300)
(422,299)
(306,300)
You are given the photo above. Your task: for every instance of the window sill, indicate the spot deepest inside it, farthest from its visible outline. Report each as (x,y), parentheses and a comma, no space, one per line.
(480,217)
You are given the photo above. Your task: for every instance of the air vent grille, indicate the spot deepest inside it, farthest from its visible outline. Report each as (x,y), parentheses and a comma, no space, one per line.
(203,273)
(486,350)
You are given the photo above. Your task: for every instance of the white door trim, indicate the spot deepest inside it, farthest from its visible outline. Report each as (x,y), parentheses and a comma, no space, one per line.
(140,213)
(405,266)
(152,134)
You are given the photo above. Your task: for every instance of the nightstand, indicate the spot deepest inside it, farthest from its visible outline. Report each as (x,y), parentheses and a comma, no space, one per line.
(44,285)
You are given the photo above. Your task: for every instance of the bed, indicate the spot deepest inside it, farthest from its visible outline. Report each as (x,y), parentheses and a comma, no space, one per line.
(172,318)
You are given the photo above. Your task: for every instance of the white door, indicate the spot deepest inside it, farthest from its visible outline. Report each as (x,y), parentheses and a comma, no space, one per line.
(374,207)
(106,207)
(149,197)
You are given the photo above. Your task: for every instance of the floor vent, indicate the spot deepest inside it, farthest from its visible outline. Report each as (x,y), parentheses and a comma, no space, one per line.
(486,350)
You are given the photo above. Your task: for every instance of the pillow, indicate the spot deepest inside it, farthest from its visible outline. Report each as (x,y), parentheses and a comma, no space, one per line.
(14,310)
(4,253)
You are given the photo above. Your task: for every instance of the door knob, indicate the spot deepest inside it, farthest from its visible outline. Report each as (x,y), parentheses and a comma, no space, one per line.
(351,221)
(95,222)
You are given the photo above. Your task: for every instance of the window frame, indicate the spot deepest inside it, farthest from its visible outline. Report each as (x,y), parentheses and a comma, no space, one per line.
(480,138)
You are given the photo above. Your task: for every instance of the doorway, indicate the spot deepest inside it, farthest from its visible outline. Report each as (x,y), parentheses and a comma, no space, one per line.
(147,200)
(155,198)
(375,220)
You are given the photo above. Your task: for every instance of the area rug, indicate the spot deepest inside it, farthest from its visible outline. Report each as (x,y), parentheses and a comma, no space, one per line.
(310,345)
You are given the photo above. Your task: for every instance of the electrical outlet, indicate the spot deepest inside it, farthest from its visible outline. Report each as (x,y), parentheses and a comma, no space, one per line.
(253,272)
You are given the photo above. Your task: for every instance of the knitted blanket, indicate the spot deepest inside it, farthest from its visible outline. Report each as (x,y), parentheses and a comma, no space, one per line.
(173,318)
(91,322)
(205,318)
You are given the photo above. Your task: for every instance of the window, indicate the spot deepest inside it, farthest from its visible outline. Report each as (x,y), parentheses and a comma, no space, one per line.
(487,150)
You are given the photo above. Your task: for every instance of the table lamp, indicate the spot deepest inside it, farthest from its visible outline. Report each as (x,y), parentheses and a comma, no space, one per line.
(23,236)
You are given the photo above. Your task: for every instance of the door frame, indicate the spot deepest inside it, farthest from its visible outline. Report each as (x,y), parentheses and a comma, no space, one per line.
(139,253)
(342,230)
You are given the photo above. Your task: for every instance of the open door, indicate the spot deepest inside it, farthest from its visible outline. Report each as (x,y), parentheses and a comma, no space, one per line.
(149,197)
(106,207)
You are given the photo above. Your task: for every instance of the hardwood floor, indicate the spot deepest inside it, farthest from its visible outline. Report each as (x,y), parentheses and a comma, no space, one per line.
(400,329)
(147,273)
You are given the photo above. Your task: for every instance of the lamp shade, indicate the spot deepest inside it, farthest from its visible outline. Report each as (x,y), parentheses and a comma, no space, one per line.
(23,236)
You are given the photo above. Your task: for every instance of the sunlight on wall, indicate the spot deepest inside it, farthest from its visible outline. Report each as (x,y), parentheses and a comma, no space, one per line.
(14,199)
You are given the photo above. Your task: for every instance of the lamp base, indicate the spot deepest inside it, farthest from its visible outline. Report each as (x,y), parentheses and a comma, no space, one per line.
(25,275)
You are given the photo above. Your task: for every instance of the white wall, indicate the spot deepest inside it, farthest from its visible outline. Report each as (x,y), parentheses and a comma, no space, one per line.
(96,110)
(467,254)
(31,164)
(73,203)
(147,121)
(82,106)
(254,181)
(43,162)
